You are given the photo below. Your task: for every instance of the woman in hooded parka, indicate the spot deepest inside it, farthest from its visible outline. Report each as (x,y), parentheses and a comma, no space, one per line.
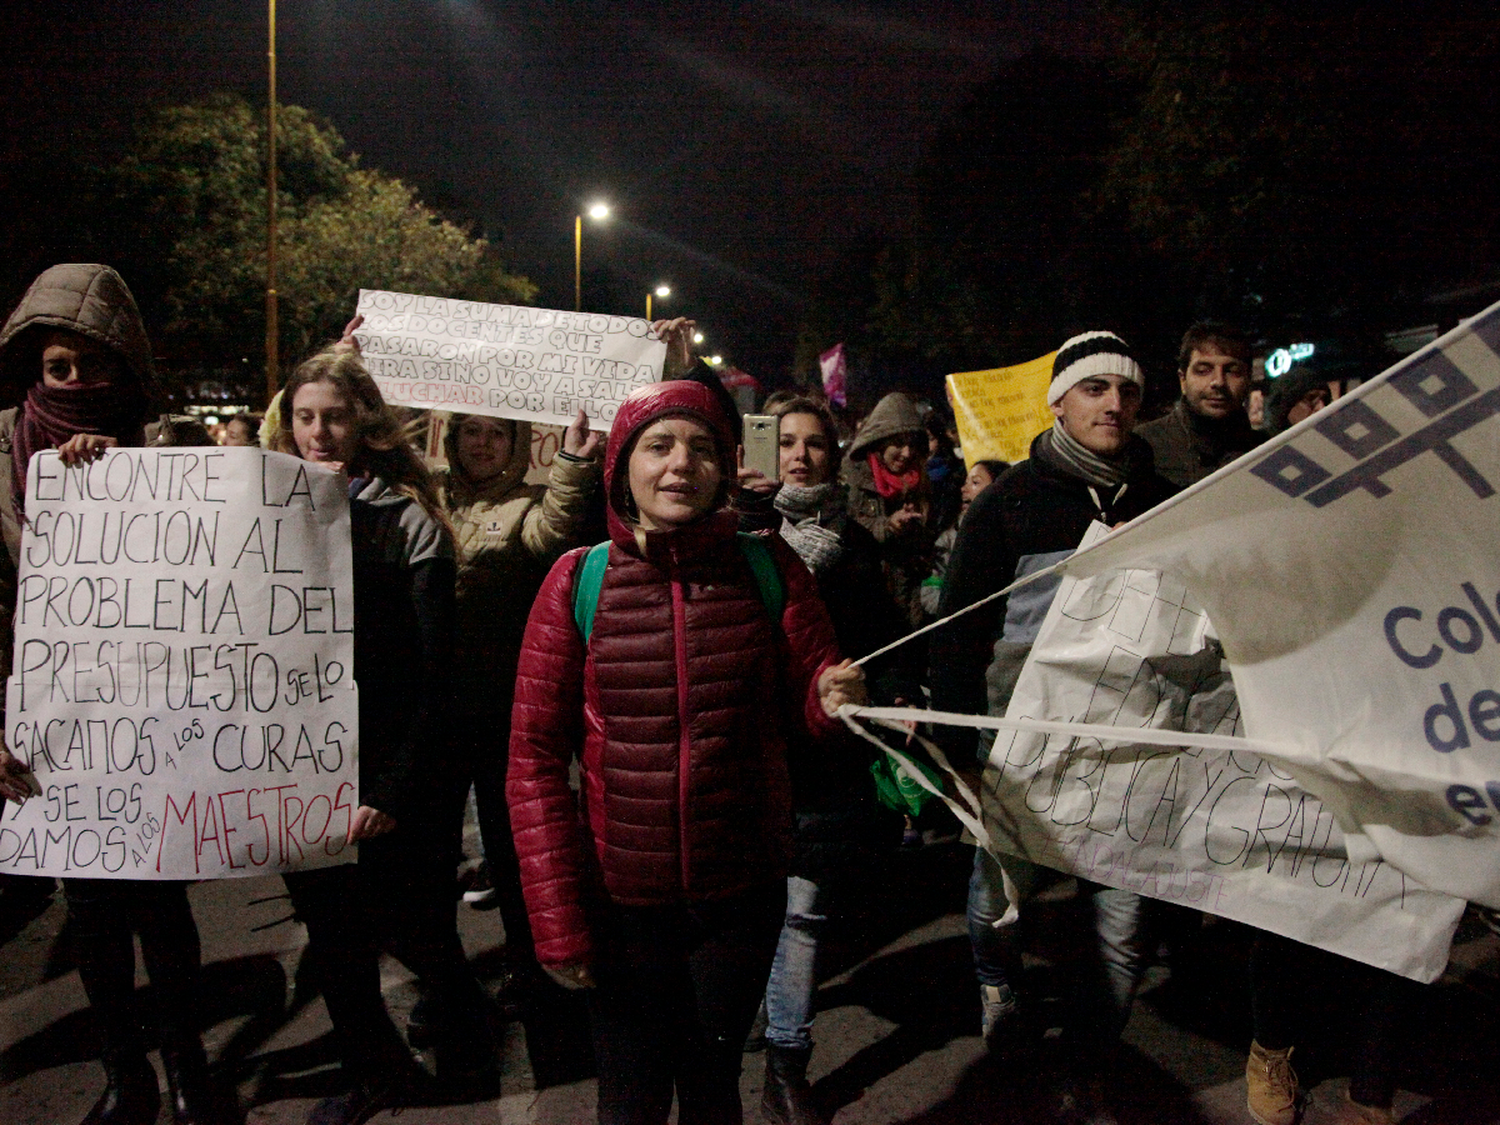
(890,496)
(76,353)
(677,679)
(508,534)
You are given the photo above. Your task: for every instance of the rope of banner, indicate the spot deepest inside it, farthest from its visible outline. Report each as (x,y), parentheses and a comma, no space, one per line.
(971,817)
(970,813)
(1016,585)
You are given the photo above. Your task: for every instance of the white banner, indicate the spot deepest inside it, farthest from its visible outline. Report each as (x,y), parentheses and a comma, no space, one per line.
(182,684)
(509,361)
(1351,570)
(1218,830)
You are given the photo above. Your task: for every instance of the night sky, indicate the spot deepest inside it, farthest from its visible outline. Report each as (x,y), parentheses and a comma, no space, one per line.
(742,145)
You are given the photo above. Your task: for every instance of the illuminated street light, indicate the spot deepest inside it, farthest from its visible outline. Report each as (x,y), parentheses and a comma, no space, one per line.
(697,337)
(596,211)
(715,360)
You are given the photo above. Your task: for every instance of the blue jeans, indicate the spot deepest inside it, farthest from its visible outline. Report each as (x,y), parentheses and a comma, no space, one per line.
(1106,990)
(789,993)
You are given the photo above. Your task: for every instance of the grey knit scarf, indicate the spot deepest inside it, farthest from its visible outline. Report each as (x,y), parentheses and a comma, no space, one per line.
(813,522)
(1071,456)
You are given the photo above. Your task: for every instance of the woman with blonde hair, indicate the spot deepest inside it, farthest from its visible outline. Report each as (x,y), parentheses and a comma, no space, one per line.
(398,896)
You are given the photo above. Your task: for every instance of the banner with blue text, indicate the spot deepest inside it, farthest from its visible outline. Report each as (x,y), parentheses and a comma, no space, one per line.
(1350,569)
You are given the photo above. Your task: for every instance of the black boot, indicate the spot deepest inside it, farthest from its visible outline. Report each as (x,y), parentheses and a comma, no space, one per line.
(130,1095)
(788,1099)
(191,1095)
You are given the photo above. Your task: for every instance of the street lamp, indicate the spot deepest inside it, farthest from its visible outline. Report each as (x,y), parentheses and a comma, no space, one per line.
(660,291)
(596,212)
(273,374)
(697,337)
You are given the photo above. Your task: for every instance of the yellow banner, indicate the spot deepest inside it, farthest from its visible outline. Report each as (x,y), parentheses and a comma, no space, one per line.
(999,411)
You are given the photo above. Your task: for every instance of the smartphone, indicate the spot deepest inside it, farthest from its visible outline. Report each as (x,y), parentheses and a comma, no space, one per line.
(762,438)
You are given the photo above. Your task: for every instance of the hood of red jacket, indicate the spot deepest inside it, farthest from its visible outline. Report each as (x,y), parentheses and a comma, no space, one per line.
(644,406)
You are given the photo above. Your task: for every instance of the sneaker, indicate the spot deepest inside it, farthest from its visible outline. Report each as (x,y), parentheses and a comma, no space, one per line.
(480,893)
(1351,1112)
(999,1011)
(1271,1087)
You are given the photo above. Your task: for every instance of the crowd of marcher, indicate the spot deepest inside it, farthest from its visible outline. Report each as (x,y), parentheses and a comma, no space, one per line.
(670,812)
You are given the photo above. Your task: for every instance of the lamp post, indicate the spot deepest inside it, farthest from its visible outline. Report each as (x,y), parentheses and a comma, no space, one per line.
(659,291)
(596,212)
(273,373)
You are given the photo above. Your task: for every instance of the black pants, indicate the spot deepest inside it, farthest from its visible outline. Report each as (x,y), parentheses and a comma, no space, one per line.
(483,745)
(398,899)
(102,916)
(678,990)
(1281,972)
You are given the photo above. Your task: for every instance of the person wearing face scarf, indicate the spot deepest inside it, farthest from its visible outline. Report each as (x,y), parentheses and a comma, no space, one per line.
(890,495)
(661,886)
(76,354)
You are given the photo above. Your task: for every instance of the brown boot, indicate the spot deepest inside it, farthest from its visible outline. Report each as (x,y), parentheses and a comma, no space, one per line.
(1272,1087)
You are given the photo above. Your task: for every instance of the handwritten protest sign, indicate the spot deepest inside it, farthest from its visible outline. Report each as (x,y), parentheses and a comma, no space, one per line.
(1001,410)
(1349,566)
(182,683)
(1218,830)
(505,360)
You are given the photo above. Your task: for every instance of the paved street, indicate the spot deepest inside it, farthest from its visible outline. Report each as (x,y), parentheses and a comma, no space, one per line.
(896,1035)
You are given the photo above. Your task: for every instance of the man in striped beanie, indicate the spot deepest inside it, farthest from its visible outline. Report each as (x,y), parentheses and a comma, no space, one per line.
(1089,466)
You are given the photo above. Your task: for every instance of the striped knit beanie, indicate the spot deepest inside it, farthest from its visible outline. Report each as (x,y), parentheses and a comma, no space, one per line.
(1090,354)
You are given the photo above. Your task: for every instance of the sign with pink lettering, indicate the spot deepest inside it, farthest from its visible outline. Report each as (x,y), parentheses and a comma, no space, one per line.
(182,683)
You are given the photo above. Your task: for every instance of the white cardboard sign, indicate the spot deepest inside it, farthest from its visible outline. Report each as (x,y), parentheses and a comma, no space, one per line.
(183,682)
(509,361)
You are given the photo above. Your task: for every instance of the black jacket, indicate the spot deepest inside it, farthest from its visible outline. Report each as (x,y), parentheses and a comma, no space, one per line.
(1189,447)
(1033,516)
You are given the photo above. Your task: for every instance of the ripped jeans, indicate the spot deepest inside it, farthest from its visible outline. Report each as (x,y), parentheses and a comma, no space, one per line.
(789,993)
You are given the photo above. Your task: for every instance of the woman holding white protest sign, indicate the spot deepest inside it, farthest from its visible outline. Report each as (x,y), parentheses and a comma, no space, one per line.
(398,896)
(508,534)
(678,662)
(75,352)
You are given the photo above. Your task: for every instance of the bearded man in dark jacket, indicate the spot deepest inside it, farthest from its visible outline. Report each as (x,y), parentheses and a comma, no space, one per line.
(1088,467)
(1207,427)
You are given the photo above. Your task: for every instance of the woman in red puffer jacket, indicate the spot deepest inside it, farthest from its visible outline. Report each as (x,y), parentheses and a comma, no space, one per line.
(663,888)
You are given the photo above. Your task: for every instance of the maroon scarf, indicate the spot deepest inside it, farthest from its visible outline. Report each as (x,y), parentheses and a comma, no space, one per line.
(890,485)
(51,415)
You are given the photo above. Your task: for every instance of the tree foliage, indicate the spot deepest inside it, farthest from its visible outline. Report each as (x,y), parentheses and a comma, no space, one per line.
(192,196)
(1293,167)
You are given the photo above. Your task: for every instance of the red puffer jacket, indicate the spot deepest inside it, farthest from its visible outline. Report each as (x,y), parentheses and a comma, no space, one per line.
(680,710)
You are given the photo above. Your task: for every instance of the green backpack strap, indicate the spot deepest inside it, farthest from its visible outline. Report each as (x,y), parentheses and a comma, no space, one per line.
(767,577)
(590,576)
(586,582)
